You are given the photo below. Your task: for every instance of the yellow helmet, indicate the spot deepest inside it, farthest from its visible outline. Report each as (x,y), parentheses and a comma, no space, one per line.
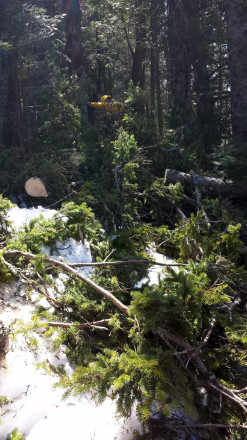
(104,97)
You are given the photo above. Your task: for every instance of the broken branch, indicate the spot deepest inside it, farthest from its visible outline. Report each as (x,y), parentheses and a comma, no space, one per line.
(93,325)
(119,263)
(29,256)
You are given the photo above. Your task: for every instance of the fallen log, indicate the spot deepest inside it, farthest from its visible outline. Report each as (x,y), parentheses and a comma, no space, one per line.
(212,185)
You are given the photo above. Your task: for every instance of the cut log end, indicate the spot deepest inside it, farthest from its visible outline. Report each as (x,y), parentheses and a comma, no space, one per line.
(35,187)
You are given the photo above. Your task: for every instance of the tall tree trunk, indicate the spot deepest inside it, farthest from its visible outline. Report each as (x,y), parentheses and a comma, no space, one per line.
(205,112)
(152,79)
(158,95)
(179,65)
(236,13)
(12,129)
(156,13)
(74,49)
(188,60)
(138,64)
(4,80)
(101,69)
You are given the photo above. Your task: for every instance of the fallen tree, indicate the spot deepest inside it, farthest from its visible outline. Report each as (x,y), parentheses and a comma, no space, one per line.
(151,342)
(210,185)
(187,355)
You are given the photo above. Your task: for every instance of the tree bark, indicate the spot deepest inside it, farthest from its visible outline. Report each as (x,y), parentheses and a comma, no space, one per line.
(156,11)
(4,75)
(73,48)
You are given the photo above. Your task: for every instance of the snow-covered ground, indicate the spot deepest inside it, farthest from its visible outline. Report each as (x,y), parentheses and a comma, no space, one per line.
(69,250)
(35,408)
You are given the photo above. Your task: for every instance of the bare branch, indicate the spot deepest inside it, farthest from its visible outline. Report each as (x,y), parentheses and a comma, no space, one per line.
(209,332)
(180,213)
(80,233)
(120,263)
(93,325)
(61,200)
(29,256)
(108,256)
(242,391)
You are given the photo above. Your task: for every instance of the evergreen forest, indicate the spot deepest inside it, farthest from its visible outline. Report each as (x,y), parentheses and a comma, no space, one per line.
(160,162)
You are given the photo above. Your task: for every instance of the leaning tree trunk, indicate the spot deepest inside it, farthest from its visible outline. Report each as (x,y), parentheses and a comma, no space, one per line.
(236,14)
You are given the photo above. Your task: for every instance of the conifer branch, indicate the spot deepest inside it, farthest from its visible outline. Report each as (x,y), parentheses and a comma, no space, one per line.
(205,379)
(203,376)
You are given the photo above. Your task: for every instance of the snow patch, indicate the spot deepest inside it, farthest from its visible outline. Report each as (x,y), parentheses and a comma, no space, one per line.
(72,252)
(20,217)
(155,273)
